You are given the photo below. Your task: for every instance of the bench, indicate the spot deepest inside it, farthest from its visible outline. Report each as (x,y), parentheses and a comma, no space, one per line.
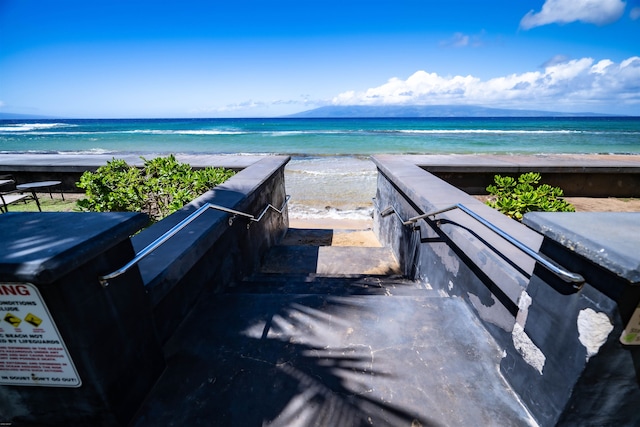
(11,194)
(9,198)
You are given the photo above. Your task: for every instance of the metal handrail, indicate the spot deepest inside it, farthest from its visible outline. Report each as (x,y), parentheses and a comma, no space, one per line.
(575,279)
(104,280)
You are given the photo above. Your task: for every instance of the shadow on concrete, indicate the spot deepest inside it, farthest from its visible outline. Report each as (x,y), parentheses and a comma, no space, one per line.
(280,360)
(308,236)
(299,345)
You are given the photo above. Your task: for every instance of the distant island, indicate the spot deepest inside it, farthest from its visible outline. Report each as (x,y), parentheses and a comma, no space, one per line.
(388,111)
(365,111)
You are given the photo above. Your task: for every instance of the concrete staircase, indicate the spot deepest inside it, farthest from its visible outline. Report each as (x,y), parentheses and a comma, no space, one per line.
(331,262)
(328,333)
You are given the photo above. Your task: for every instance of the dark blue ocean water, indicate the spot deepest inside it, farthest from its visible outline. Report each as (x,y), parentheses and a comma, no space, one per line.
(330,174)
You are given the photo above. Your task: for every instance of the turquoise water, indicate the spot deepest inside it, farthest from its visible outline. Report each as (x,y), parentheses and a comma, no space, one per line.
(325,137)
(330,174)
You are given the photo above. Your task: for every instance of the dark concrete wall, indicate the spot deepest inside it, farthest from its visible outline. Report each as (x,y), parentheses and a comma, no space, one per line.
(115,333)
(454,253)
(598,384)
(574,184)
(210,252)
(577,175)
(536,318)
(108,331)
(68,168)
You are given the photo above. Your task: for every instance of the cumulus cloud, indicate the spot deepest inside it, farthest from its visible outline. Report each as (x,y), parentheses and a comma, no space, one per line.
(573,84)
(599,12)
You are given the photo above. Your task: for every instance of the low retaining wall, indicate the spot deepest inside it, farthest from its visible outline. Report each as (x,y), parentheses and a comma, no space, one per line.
(78,351)
(210,252)
(562,349)
(68,168)
(578,175)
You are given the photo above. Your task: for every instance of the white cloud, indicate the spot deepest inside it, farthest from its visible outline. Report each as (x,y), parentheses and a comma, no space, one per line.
(555,60)
(576,85)
(241,106)
(458,40)
(599,12)
(258,108)
(634,13)
(465,40)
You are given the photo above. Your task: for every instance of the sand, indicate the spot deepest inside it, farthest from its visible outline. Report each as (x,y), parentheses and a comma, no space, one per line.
(610,204)
(598,204)
(360,233)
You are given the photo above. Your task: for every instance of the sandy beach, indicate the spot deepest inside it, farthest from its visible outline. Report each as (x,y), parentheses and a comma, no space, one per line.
(582,204)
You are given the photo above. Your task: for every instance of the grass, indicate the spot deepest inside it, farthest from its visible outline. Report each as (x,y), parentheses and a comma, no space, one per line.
(55,204)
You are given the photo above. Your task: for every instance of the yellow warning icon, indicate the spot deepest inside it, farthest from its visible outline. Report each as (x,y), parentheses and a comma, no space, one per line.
(13,320)
(33,320)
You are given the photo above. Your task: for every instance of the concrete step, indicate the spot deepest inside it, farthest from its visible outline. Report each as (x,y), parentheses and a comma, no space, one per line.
(272,283)
(330,260)
(328,237)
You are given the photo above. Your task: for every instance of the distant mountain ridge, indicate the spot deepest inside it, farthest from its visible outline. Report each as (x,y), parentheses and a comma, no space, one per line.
(365,111)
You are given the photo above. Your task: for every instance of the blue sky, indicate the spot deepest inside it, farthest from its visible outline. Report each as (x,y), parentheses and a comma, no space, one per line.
(119,59)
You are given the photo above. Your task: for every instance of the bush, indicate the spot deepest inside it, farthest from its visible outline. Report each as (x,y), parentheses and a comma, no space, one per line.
(160,188)
(514,197)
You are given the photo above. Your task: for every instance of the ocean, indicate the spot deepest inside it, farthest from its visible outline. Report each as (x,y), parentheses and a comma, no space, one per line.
(330,174)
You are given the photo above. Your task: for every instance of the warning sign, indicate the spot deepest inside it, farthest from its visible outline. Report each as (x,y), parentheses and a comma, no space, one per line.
(631,334)
(32,352)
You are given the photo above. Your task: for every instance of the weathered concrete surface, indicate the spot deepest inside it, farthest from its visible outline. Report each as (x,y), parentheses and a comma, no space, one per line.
(40,247)
(115,333)
(609,239)
(562,350)
(311,349)
(453,252)
(209,251)
(590,376)
(320,360)
(108,332)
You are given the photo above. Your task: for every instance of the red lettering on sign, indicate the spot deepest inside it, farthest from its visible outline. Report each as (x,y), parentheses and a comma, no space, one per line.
(14,290)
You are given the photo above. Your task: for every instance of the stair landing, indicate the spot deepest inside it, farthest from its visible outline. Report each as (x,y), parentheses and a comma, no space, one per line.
(294,346)
(330,252)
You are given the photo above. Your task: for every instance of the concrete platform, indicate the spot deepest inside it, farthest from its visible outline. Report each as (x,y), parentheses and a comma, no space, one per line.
(322,360)
(308,347)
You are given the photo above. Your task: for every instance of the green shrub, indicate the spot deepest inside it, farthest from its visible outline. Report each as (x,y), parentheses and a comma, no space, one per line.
(514,197)
(160,188)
